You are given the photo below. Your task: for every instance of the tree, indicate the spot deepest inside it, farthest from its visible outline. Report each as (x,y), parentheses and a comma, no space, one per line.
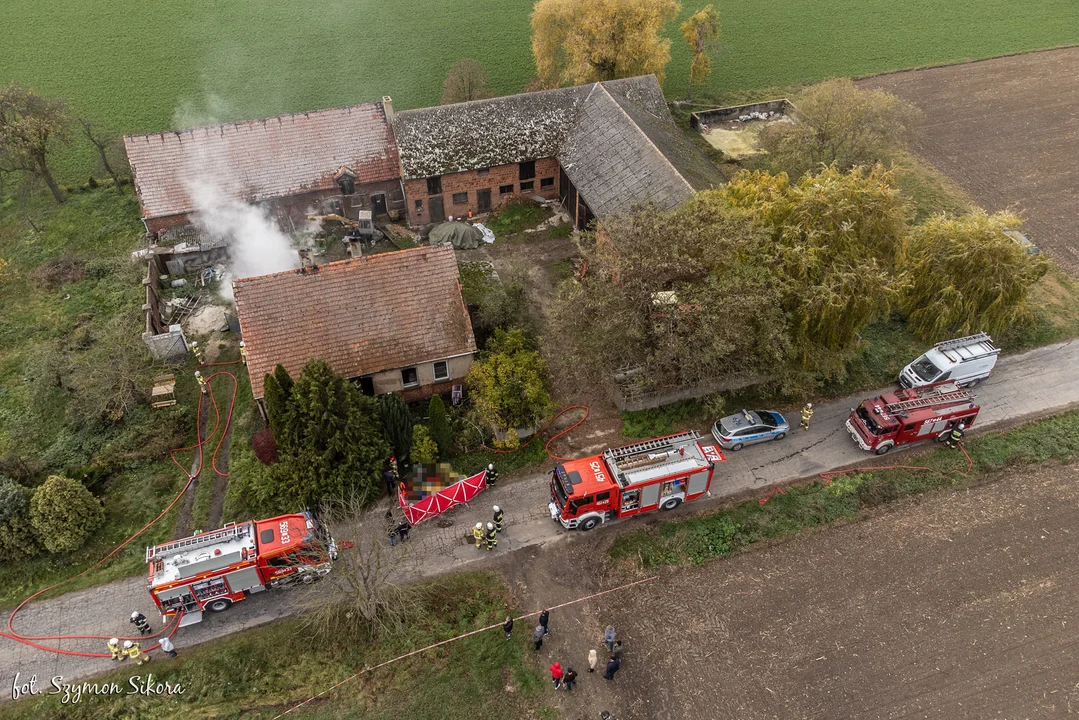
(439,425)
(582,41)
(509,383)
(841,124)
(701,31)
(14,498)
(30,126)
(276,389)
(397,422)
(966,275)
(466,80)
(424,451)
(64,513)
(105,147)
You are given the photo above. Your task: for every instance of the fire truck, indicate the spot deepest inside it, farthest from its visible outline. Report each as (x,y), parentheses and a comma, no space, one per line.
(650,475)
(909,415)
(211,571)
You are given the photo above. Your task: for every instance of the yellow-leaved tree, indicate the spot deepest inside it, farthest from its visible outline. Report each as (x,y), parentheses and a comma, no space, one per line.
(582,41)
(701,31)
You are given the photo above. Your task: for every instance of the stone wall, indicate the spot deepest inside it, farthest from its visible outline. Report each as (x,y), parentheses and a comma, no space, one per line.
(781,106)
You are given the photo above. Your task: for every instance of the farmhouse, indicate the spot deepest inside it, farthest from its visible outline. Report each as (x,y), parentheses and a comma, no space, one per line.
(393,322)
(601,148)
(339,161)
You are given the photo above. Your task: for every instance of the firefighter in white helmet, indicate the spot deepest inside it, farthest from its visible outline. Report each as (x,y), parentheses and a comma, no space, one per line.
(197,351)
(807,415)
(140,622)
(492,536)
(953,438)
(491,475)
(477,533)
(498,519)
(135,652)
(243,352)
(203,385)
(114,648)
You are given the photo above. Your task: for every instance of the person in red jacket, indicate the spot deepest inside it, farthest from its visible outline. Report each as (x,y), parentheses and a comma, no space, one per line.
(556,674)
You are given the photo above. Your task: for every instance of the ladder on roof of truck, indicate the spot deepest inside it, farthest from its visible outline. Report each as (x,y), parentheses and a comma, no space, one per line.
(963,341)
(195,541)
(929,401)
(666,443)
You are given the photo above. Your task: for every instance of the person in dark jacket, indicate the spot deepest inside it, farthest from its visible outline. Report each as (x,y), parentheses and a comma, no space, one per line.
(545,617)
(507,627)
(569,679)
(612,667)
(616,651)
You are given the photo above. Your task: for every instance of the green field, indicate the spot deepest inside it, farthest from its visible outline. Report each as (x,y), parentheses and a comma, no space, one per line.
(140,66)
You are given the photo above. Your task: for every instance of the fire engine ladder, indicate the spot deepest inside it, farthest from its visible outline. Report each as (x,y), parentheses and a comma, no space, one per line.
(929,401)
(962,342)
(662,444)
(195,541)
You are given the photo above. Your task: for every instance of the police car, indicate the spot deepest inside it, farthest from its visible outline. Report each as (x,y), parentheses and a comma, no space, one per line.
(748,427)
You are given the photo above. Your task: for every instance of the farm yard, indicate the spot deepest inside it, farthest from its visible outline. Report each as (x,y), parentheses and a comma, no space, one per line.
(991,138)
(136,70)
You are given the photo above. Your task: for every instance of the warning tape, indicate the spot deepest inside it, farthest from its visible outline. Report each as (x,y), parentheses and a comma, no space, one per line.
(454,639)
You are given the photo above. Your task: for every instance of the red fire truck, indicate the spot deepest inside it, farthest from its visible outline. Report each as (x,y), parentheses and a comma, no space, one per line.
(210,571)
(909,415)
(625,481)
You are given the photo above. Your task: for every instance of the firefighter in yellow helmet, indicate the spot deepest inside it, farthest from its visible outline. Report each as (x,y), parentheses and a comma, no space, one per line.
(243,352)
(492,536)
(114,648)
(203,385)
(477,533)
(807,415)
(135,652)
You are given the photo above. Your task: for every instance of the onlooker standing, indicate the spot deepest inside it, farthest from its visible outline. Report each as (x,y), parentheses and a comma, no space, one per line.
(556,674)
(608,637)
(545,617)
(537,636)
(508,627)
(592,660)
(167,647)
(612,667)
(569,679)
(617,650)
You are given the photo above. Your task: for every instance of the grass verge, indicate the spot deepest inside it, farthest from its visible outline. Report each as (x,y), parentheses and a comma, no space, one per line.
(262,672)
(719,534)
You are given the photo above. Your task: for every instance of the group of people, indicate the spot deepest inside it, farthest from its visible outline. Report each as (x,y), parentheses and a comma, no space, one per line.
(566,678)
(132,649)
(489,536)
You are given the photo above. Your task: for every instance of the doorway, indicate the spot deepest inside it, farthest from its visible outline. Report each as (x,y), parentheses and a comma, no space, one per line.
(438,212)
(483,200)
(378,204)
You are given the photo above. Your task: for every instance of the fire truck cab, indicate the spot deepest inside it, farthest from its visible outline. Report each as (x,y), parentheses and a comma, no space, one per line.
(661,473)
(210,571)
(910,415)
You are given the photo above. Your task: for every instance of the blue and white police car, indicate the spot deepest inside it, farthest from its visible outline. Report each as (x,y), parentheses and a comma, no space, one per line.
(748,427)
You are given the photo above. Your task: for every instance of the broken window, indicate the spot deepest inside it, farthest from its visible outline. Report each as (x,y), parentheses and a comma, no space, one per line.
(526,186)
(442,370)
(460,198)
(505,189)
(419,206)
(547,182)
(434,185)
(347,184)
(409,377)
(528,170)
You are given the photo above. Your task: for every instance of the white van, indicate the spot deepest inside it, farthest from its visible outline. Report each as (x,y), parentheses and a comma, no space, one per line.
(965,361)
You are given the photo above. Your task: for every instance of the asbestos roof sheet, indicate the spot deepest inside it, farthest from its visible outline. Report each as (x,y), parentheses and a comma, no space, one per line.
(361,316)
(259,159)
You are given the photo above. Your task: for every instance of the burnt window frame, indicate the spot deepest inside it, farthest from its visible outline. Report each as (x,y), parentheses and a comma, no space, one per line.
(526,170)
(434,185)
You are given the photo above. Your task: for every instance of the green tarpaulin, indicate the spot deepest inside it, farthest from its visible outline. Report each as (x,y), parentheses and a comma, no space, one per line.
(461,235)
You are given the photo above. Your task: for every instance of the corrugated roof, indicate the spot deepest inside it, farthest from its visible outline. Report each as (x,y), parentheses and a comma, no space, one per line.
(259,159)
(361,316)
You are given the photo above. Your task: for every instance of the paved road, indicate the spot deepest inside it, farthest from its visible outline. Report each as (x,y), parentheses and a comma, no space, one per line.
(1024,386)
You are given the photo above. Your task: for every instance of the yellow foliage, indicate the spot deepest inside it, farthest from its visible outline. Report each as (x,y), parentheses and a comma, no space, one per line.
(701,31)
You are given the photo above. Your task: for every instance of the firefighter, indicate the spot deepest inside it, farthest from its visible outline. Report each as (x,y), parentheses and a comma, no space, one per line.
(114,648)
(243,352)
(477,532)
(807,415)
(135,652)
(953,438)
(498,519)
(203,385)
(492,536)
(491,475)
(197,351)
(139,621)
(393,467)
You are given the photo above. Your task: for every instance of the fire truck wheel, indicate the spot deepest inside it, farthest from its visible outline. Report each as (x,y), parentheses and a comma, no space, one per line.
(589,523)
(219,605)
(883,449)
(736,447)
(672,503)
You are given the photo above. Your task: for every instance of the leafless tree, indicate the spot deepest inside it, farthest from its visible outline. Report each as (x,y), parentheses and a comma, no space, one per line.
(366,594)
(466,80)
(105,146)
(30,126)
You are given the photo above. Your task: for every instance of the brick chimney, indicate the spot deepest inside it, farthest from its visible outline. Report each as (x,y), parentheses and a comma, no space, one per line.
(387,107)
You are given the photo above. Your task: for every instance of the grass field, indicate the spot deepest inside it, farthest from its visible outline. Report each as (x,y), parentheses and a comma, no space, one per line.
(139,67)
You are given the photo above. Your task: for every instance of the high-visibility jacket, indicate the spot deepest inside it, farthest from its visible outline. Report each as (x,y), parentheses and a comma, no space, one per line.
(114,648)
(807,413)
(134,651)
(498,521)
(957,435)
(492,476)
(478,534)
(492,538)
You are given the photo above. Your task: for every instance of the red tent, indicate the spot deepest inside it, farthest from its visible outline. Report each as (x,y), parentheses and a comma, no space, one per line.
(441,501)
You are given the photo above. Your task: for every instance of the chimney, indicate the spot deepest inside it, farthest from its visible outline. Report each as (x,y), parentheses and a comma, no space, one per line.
(387,107)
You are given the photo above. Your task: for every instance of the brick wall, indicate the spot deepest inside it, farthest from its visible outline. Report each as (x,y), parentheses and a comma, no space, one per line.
(472,180)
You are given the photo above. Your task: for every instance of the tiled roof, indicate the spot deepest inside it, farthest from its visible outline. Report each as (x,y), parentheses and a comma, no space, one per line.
(259,159)
(485,133)
(361,316)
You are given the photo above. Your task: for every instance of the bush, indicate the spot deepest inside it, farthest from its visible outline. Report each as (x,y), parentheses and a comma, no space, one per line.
(438,424)
(424,451)
(397,422)
(64,513)
(509,383)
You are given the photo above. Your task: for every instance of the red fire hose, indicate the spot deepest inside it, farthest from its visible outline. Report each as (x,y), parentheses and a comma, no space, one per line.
(547,446)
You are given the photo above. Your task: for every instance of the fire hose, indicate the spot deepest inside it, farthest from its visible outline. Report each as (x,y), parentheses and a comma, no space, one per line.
(33,640)
(547,445)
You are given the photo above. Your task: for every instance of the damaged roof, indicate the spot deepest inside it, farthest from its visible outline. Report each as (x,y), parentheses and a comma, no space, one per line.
(362,316)
(259,159)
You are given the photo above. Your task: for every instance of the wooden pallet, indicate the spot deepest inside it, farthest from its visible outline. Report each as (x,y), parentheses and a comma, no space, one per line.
(164,391)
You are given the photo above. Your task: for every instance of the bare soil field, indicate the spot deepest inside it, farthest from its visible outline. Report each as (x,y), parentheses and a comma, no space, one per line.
(953,605)
(1007,131)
